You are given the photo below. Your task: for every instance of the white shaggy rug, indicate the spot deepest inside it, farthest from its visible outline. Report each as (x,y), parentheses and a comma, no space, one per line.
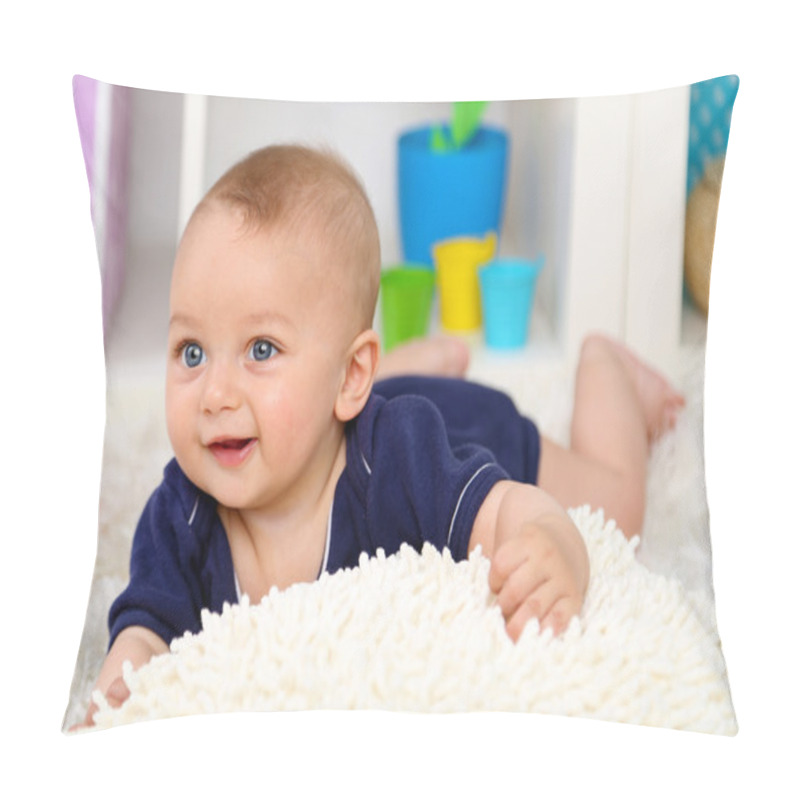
(422,633)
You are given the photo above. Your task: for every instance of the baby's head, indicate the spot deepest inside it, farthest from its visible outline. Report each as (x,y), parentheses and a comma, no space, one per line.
(309,195)
(271,306)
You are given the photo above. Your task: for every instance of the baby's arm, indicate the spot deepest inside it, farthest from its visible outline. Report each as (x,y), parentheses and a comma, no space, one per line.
(540,567)
(135,644)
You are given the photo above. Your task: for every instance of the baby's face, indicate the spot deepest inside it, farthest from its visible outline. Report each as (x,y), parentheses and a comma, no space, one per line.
(256,358)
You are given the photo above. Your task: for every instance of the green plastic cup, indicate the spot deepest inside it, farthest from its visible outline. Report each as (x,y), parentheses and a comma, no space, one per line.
(406,300)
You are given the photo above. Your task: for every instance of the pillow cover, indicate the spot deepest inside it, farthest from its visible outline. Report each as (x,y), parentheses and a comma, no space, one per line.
(601,186)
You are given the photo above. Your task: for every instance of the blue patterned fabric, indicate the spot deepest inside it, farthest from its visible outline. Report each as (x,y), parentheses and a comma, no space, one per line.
(709,124)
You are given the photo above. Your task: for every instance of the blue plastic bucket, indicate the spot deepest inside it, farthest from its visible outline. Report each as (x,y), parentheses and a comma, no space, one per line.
(508,288)
(443,195)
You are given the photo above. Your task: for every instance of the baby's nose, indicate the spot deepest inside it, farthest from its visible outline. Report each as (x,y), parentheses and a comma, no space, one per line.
(221,390)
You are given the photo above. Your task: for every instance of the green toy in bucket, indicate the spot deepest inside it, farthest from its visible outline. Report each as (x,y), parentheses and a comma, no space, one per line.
(467,116)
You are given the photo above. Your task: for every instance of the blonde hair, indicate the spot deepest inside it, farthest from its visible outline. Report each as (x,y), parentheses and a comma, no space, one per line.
(309,193)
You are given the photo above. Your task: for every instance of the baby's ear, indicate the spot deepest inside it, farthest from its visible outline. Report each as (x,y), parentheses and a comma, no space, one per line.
(360,368)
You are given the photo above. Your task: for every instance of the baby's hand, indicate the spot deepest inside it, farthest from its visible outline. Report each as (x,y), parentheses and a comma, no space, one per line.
(534,575)
(136,645)
(116,695)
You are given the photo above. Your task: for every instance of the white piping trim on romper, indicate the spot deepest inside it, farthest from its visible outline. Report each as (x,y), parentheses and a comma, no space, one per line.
(194,510)
(366,465)
(327,544)
(235,576)
(461,497)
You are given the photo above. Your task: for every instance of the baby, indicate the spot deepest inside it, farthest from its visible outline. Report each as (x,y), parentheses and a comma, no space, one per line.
(291,460)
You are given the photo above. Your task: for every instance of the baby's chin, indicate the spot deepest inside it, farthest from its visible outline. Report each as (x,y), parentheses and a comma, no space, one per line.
(234,494)
(230,498)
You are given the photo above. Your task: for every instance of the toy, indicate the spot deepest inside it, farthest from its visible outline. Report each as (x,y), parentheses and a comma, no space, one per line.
(464,125)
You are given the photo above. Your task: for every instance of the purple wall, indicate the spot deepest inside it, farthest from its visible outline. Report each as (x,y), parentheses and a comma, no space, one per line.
(112,195)
(84,92)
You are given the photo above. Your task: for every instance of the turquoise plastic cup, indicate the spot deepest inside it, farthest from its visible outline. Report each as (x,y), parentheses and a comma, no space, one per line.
(508,287)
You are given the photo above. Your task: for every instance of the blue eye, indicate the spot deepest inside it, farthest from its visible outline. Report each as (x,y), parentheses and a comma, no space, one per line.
(262,350)
(193,355)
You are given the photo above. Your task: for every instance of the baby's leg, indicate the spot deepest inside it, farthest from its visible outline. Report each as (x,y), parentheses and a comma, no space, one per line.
(621,406)
(438,355)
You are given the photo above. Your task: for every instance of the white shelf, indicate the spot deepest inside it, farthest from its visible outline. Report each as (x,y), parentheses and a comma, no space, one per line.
(597,185)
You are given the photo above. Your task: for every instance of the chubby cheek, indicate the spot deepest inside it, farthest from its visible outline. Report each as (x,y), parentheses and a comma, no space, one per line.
(180,417)
(278,414)
(288,420)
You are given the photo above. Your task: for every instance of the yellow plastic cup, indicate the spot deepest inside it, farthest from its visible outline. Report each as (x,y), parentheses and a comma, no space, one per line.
(457,261)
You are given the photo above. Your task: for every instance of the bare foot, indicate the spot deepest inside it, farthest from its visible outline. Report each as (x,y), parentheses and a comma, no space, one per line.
(660,401)
(447,356)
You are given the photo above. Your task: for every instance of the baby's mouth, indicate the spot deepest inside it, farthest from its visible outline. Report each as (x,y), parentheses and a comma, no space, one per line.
(231,452)
(231,444)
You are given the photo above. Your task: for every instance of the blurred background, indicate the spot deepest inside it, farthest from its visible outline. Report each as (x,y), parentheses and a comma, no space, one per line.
(597,187)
